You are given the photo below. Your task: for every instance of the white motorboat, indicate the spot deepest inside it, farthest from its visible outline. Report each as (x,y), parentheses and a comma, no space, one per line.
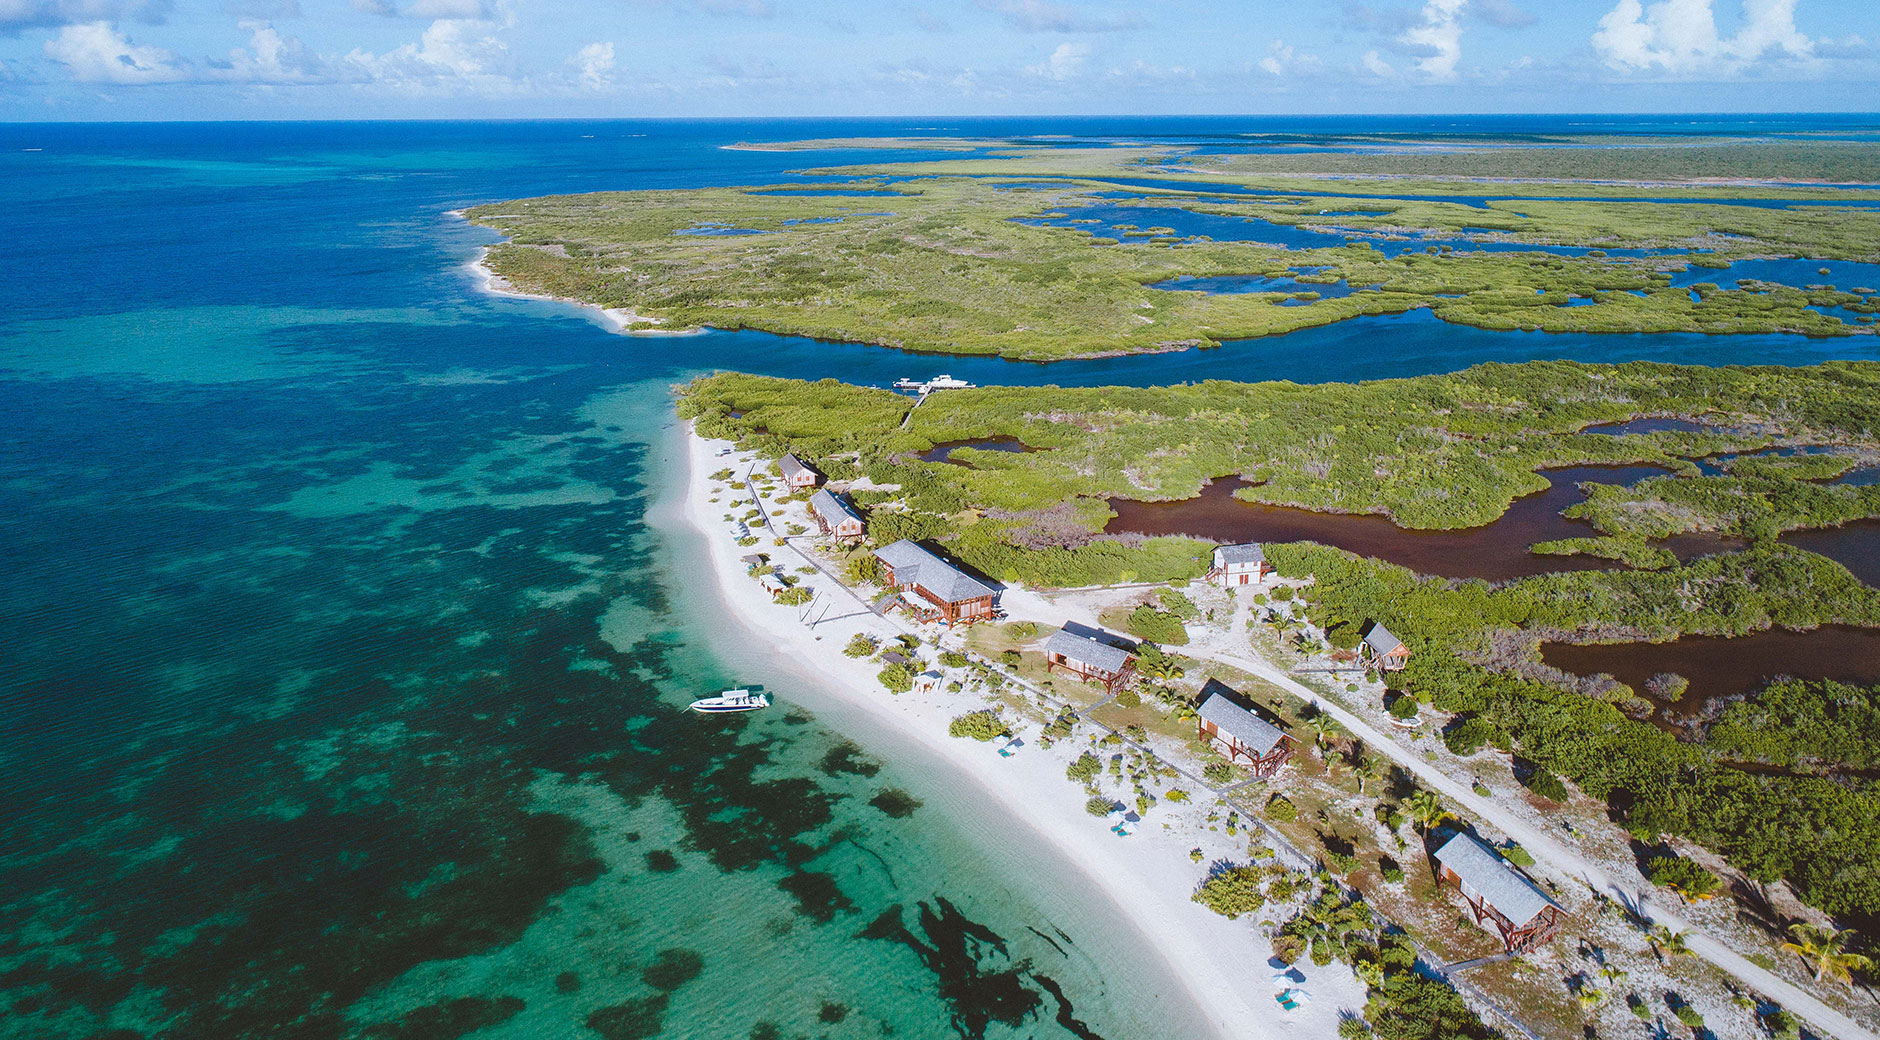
(739,699)
(939,382)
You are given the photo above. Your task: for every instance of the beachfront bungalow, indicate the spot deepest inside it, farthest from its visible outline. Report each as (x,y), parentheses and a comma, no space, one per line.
(1239,565)
(933,589)
(1240,734)
(772,584)
(1081,653)
(1383,651)
(835,517)
(797,474)
(1501,898)
(753,561)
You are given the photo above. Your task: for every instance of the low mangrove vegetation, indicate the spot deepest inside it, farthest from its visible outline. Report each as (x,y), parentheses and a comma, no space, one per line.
(1430,452)
(965,265)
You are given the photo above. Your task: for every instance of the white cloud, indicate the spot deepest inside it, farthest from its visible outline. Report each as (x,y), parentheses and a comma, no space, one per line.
(42,14)
(469,10)
(95,52)
(1377,66)
(453,55)
(1050,16)
(1438,38)
(596,65)
(1278,57)
(272,58)
(1064,62)
(1283,60)
(1680,36)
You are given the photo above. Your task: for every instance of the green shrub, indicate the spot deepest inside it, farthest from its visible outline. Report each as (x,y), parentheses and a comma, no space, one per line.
(1402,707)
(795,597)
(1392,873)
(1469,735)
(1156,626)
(953,659)
(1129,698)
(1689,1016)
(862,568)
(1011,658)
(1022,629)
(1281,808)
(1178,604)
(898,678)
(1683,876)
(978,725)
(1782,1025)
(1217,772)
(1547,785)
(1233,891)
(1517,855)
(1084,768)
(1099,806)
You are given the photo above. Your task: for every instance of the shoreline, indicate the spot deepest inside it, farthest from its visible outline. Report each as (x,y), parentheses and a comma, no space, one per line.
(1146,879)
(620,320)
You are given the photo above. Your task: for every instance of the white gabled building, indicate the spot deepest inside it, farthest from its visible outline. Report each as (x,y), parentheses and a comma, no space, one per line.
(1239,565)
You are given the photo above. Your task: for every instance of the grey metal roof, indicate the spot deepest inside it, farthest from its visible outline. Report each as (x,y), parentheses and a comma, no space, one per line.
(1254,733)
(790,466)
(1087,650)
(915,565)
(829,507)
(1248,553)
(1493,878)
(1380,639)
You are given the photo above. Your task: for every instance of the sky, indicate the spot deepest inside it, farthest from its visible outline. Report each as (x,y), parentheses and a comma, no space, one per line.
(302,59)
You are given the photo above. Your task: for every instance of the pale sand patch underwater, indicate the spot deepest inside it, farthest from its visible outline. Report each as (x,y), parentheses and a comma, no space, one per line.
(1147,878)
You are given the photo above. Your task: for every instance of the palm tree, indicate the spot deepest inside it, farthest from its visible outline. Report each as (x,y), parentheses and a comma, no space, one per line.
(1427,810)
(1324,729)
(1369,766)
(1825,950)
(1668,944)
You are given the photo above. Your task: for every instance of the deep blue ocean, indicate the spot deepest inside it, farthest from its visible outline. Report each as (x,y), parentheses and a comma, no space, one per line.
(339,664)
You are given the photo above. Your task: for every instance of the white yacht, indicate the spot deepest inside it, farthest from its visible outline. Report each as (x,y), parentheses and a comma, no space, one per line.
(739,699)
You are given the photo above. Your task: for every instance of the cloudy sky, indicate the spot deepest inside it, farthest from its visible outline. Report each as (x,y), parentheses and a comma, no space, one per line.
(186,59)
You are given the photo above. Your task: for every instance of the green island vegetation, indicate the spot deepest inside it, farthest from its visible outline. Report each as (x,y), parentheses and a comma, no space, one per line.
(1430,452)
(943,262)
(1565,165)
(1813,727)
(1438,451)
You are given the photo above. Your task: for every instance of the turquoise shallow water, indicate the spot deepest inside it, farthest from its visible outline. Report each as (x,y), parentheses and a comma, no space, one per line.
(342,665)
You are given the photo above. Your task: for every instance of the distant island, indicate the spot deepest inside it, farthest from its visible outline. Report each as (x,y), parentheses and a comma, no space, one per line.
(1042,253)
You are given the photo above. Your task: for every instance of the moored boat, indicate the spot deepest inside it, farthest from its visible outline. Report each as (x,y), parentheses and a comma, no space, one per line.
(740,699)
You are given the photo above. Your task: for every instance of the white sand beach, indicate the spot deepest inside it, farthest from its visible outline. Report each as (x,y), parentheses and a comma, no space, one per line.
(1148,876)
(623,320)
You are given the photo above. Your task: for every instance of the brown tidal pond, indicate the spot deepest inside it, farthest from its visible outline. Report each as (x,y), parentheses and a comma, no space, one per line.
(1854,545)
(1496,551)
(1720,667)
